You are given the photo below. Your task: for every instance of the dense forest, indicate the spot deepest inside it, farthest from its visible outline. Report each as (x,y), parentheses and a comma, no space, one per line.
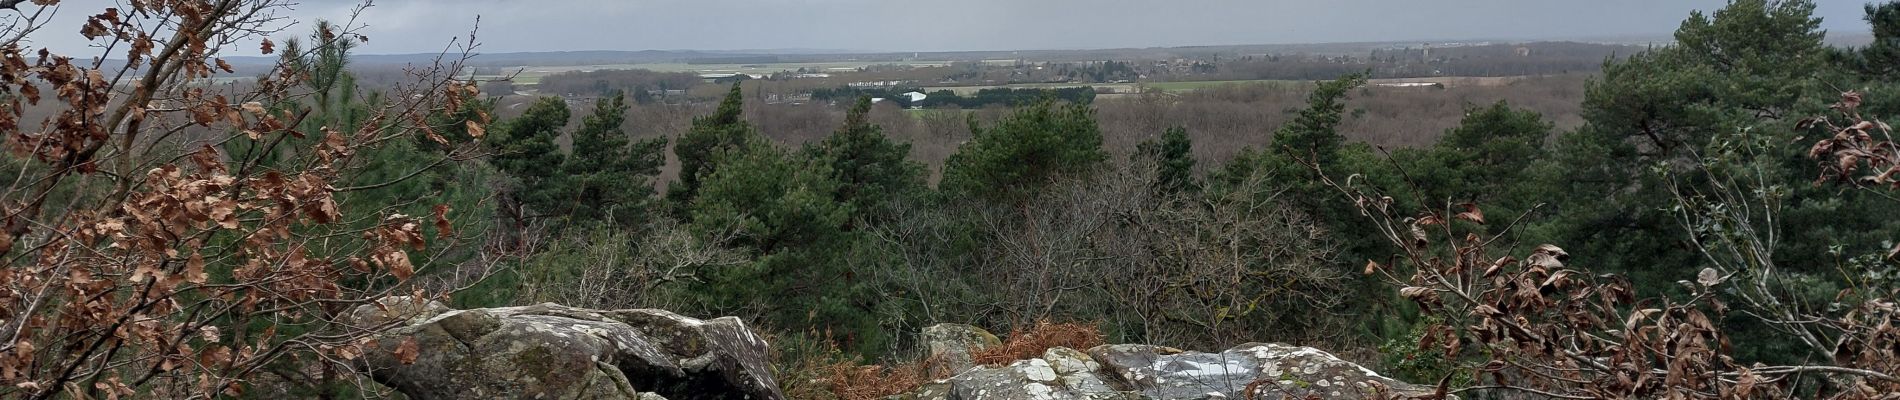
(1721,223)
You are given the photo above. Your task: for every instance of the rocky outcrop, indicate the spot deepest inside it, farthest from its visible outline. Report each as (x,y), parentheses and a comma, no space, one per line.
(550,351)
(1269,371)
(950,346)
(1114,372)
(1060,374)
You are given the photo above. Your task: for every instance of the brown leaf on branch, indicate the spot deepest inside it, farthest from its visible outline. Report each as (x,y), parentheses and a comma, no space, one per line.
(476,130)
(1850,101)
(195,269)
(443,228)
(1708,277)
(1548,256)
(1498,266)
(1471,213)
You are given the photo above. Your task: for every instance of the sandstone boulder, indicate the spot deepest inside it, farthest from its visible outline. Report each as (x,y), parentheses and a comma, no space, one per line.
(950,346)
(1131,372)
(1060,374)
(550,351)
(1270,371)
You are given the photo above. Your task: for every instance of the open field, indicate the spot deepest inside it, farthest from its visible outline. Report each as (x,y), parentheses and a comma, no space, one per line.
(1189,86)
(969,90)
(532,74)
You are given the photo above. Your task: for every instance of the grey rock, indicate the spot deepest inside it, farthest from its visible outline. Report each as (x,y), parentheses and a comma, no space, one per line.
(1271,371)
(951,345)
(1140,372)
(1060,374)
(549,351)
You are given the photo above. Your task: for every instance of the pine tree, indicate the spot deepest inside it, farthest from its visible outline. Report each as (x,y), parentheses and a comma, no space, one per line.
(871,169)
(783,209)
(1173,160)
(1314,132)
(608,179)
(724,130)
(1025,151)
(524,148)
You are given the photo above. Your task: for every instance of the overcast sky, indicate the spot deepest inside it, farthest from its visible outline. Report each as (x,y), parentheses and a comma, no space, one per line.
(410,26)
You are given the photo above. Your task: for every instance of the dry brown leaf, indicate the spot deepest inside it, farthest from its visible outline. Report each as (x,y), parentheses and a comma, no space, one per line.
(1548,256)
(1472,213)
(348,351)
(195,269)
(443,228)
(476,130)
(1498,266)
(407,352)
(1419,238)
(1708,277)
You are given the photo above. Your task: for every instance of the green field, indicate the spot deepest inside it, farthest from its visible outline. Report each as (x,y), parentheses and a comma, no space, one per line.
(1198,85)
(920,113)
(969,90)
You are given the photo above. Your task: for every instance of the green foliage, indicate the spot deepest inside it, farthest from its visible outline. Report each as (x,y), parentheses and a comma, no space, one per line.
(1173,160)
(1314,132)
(872,171)
(607,179)
(1025,151)
(524,148)
(1694,121)
(783,209)
(1487,160)
(724,130)
(1311,137)
(773,200)
(1753,60)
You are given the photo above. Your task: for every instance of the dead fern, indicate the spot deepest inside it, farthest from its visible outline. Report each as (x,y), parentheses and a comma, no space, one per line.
(1039,338)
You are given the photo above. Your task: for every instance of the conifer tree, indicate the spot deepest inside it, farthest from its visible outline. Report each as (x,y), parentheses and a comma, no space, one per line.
(606,178)
(871,169)
(724,130)
(524,148)
(1024,151)
(1173,160)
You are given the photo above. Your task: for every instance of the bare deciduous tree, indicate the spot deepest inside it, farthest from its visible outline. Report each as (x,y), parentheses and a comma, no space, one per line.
(144,261)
